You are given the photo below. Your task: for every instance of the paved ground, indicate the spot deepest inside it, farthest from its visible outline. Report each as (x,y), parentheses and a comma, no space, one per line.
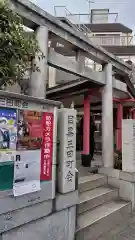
(125,231)
(83,171)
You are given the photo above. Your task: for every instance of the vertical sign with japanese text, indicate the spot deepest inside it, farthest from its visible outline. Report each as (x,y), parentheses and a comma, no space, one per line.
(128,145)
(67,149)
(47,146)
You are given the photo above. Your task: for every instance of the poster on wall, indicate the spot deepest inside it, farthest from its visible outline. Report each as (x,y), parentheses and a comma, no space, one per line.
(29,130)
(26,144)
(27,162)
(26,172)
(26,138)
(47,146)
(8,134)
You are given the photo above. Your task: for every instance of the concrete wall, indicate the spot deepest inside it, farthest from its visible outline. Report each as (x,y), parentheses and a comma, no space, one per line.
(57,76)
(124,181)
(53,227)
(132,59)
(47,220)
(62,76)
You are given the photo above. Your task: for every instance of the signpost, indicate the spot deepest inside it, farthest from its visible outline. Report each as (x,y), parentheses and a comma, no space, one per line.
(67,150)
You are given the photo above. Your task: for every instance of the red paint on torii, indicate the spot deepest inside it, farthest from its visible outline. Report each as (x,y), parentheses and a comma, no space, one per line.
(86,126)
(120,101)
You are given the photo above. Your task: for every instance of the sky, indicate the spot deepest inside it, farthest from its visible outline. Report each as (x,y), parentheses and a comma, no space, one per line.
(125,8)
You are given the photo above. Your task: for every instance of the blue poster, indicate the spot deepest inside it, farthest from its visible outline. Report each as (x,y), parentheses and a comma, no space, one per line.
(8,138)
(8,129)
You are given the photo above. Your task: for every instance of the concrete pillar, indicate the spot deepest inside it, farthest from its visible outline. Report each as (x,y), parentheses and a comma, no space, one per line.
(86,126)
(39,78)
(107,118)
(67,150)
(52,77)
(80,58)
(119,126)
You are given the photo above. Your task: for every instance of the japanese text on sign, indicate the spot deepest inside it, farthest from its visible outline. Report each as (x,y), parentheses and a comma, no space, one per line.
(70,149)
(21,104)
(9,102)
(47,147)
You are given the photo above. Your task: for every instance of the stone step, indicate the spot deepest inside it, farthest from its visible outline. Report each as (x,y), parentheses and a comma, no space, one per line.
(101,219)
(91,181)
(95,197)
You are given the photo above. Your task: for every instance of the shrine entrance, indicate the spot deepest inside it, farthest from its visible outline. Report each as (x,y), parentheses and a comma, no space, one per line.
(87,97)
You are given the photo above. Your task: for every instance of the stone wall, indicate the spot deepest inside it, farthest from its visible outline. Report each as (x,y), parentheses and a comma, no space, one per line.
(47,220)
(124,181)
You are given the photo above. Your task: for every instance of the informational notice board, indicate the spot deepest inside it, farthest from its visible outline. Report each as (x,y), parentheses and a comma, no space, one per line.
(26,144)
(128,145)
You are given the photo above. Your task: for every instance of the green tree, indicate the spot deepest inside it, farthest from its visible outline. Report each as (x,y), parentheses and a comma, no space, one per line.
(17,48)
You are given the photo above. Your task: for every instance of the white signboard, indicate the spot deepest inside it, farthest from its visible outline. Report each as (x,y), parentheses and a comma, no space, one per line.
(26,172)
(67,149)
(128,145)
(23,104)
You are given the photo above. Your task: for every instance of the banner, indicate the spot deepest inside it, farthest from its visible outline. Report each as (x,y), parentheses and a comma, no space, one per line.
(47,146)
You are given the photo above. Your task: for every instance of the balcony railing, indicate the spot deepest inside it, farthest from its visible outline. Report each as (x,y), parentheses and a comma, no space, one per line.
(85,18)
(62,11)
(113,40)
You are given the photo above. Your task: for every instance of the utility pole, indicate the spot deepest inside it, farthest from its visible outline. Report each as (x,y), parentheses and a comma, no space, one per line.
(89,2)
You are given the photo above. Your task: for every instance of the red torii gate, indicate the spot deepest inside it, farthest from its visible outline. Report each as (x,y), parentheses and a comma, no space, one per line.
(120,101)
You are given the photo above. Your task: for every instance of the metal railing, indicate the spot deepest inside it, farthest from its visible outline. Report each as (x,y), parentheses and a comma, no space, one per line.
(85,18)
(113,40)
(62,11)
